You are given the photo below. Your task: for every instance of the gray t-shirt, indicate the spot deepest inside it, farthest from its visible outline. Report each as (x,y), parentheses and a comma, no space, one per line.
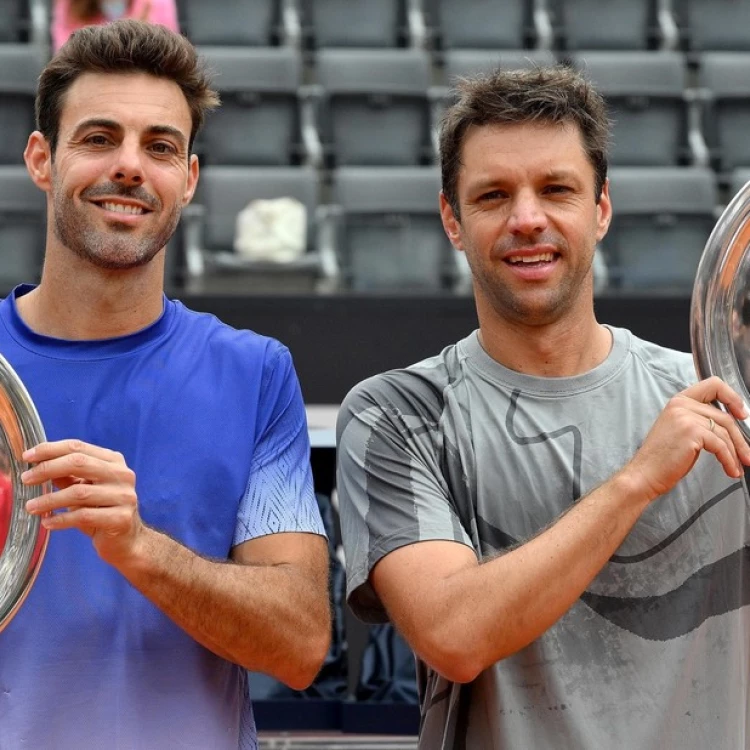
(656,653)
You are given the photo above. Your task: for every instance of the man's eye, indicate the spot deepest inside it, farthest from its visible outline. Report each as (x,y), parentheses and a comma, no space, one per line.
(491,196)
(557,189)
(98,140)
(162,148)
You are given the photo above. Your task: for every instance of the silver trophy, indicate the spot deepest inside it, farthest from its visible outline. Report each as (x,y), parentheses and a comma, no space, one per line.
(23,540)
(720,306)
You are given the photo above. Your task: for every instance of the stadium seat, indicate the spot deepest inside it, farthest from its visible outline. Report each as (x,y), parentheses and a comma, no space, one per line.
(714,24)
(466,62)
(253,23)
(20,65)
(605,24)
(22,227)
(646,95)
(390,236)
(354,23)
(210,226)
(738,179)
(259,121)
(662,218)
(375,107)
(485,24)
(23,21)
(724,78)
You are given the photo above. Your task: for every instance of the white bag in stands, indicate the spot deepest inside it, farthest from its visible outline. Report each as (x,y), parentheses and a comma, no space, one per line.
(271,230)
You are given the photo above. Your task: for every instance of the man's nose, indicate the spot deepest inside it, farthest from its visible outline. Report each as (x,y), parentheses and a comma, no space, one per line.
(127,167)
(527,214)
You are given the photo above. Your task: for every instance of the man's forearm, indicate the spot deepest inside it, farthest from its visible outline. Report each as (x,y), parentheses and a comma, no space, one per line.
(267,618)
(497,608)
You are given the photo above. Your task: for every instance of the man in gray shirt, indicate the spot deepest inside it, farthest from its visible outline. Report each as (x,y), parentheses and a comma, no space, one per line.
(536,508)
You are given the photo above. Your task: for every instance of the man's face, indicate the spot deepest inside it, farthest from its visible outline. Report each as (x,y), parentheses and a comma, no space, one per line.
(529,222)
(121,172)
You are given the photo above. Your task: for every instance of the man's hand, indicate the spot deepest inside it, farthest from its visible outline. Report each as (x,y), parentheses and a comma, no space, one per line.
(95,493)
(689,424)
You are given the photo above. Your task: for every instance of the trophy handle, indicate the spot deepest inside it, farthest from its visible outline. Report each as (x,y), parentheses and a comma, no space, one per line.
(720,306)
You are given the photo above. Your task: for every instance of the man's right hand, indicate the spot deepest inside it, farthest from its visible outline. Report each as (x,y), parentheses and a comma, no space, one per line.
(691,423)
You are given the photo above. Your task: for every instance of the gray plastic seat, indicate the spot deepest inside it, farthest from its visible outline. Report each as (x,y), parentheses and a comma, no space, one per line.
(738,179)
(375,108)
(645,93)
(258,122)
(250,22)
(605,24)
(14,21)
(468,62)
(714,24)
(390,233)
(662,218)
(485,24)
(20,65)
(22,227)
(223,191)
(354,23)
(727,124)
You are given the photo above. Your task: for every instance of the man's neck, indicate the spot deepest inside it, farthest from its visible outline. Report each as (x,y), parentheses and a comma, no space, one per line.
(561,349)
(94,304)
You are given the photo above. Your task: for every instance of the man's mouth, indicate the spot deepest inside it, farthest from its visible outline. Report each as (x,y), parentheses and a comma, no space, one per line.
(122,208)
(531,260)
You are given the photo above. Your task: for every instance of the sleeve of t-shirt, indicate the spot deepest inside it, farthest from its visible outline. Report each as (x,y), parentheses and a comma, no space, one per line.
(279,495)
(391,489)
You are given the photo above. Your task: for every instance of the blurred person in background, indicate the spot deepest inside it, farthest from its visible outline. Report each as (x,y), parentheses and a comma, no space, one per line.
(69,15)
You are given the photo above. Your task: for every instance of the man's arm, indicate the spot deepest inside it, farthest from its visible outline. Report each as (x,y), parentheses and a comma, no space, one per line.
(461,616)
(266,610)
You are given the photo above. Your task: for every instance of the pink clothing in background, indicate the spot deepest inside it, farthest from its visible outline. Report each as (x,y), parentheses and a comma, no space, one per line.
(163,12)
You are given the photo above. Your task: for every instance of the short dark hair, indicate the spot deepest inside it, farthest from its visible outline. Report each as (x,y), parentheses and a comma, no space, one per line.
(125,46)
(555,94)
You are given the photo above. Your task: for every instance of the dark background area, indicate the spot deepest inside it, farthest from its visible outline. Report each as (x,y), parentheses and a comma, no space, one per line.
(338,340)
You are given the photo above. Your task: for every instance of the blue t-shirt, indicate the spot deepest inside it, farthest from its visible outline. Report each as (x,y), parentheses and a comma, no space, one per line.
(212,421)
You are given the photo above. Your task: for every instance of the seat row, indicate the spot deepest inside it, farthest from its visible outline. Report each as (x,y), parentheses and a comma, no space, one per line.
(441,24)
(490,24)
(381,107)
(378,229)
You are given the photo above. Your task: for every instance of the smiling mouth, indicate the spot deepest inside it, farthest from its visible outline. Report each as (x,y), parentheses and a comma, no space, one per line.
(121,208)
(532,260)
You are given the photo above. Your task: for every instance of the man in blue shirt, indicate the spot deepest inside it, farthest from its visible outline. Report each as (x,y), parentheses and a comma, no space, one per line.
(176,444)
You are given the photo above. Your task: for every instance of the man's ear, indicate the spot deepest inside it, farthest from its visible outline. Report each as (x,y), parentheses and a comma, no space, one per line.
(603,212)
(192,180)
(38,158)
(450,223)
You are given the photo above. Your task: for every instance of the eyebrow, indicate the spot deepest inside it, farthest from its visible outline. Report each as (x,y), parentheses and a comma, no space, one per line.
(106,124)
(553,175)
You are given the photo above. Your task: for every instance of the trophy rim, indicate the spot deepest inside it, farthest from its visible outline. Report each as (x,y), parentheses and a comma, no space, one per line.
(25,546)
(714,298)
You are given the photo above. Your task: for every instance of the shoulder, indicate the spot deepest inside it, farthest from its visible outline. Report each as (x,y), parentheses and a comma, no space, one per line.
(223,340)
(414,391)
(674,368)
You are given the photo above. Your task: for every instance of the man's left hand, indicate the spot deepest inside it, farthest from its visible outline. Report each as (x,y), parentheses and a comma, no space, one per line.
(95,493)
